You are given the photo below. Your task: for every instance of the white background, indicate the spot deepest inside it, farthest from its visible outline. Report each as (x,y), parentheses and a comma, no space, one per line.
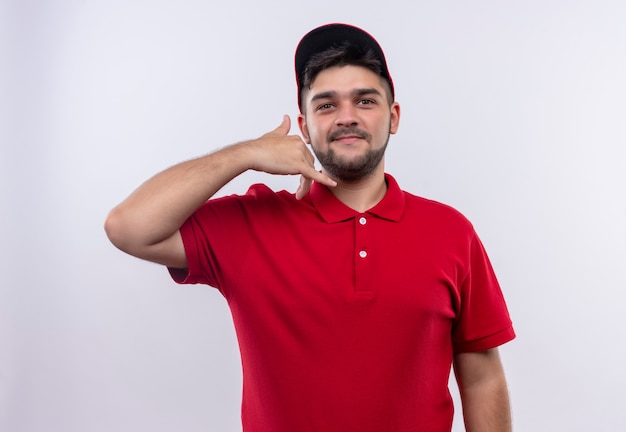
(514,112)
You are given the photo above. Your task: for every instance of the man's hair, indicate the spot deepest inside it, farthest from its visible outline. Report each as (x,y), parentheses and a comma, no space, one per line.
(345,54)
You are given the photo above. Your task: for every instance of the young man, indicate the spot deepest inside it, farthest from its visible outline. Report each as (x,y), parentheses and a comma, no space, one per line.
(352,298)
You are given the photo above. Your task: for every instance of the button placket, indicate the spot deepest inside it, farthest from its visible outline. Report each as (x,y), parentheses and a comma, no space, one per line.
(362,252)
(363,249)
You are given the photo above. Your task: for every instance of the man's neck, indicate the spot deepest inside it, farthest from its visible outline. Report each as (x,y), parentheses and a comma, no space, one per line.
(362,195)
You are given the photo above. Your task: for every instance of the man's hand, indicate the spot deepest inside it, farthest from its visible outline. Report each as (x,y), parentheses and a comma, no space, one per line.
(276,152)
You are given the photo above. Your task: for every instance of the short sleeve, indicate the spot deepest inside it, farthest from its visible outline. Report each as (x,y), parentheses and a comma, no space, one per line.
(216,238)
(483,321)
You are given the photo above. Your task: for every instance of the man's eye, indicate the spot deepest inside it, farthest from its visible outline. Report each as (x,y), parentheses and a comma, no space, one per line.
(324,106)
(365,101)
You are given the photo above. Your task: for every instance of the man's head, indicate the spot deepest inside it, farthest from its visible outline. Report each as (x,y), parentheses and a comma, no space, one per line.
(346,99)
(338,45)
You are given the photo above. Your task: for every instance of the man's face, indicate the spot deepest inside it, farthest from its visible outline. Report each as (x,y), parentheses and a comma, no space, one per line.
(347,120)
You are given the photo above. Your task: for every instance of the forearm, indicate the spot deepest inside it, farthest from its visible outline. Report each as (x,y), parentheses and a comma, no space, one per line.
(158,208)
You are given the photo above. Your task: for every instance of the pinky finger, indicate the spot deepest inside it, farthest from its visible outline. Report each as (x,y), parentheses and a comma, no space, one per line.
(304,187)
(323,179)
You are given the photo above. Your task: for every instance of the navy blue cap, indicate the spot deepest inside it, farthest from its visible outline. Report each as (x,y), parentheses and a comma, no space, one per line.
(331,35)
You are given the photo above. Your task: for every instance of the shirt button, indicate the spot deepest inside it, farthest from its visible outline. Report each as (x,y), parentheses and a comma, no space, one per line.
(362,221)
(362,254)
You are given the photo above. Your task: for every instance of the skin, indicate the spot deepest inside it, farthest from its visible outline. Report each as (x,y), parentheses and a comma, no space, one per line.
(348,117)
(483,390)
(146,224)
(347,112)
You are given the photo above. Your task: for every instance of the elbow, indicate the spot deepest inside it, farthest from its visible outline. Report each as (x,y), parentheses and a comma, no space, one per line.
(129,233)
(116,230)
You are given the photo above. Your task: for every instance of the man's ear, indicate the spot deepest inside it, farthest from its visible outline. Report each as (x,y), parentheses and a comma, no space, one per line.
(395,118)
(303,128)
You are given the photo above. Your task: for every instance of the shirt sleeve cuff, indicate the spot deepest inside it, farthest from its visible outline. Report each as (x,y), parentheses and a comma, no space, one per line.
(492,341)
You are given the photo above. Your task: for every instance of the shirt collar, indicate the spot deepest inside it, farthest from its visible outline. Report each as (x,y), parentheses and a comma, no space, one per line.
(391,207)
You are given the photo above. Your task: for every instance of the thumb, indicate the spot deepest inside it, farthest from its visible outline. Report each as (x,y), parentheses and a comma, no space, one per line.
(284,127)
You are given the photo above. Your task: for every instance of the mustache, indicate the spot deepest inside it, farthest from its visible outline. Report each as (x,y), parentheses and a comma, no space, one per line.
(352,130)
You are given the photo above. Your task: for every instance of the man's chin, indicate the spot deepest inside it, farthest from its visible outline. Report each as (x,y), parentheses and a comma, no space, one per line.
(349,172)
(350,164)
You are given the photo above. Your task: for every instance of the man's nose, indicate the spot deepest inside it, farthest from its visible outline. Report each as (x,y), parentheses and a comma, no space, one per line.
(346,115)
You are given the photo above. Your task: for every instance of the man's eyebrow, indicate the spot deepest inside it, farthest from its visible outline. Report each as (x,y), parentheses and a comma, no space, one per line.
(356,92)
(324,95)
(366,91)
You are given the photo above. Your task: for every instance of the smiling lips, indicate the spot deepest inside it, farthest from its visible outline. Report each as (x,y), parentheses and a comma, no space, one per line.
(347,139)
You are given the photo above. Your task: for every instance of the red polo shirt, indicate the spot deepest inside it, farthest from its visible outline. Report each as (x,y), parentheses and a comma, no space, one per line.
(346,321)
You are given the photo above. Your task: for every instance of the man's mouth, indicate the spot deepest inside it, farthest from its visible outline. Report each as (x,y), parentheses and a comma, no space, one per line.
(347,139)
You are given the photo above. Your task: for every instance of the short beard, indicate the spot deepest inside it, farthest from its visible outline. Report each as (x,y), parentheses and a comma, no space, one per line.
(353,170)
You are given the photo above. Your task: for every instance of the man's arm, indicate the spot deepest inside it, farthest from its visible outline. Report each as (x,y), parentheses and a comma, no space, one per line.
(146,223)
(483,390)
